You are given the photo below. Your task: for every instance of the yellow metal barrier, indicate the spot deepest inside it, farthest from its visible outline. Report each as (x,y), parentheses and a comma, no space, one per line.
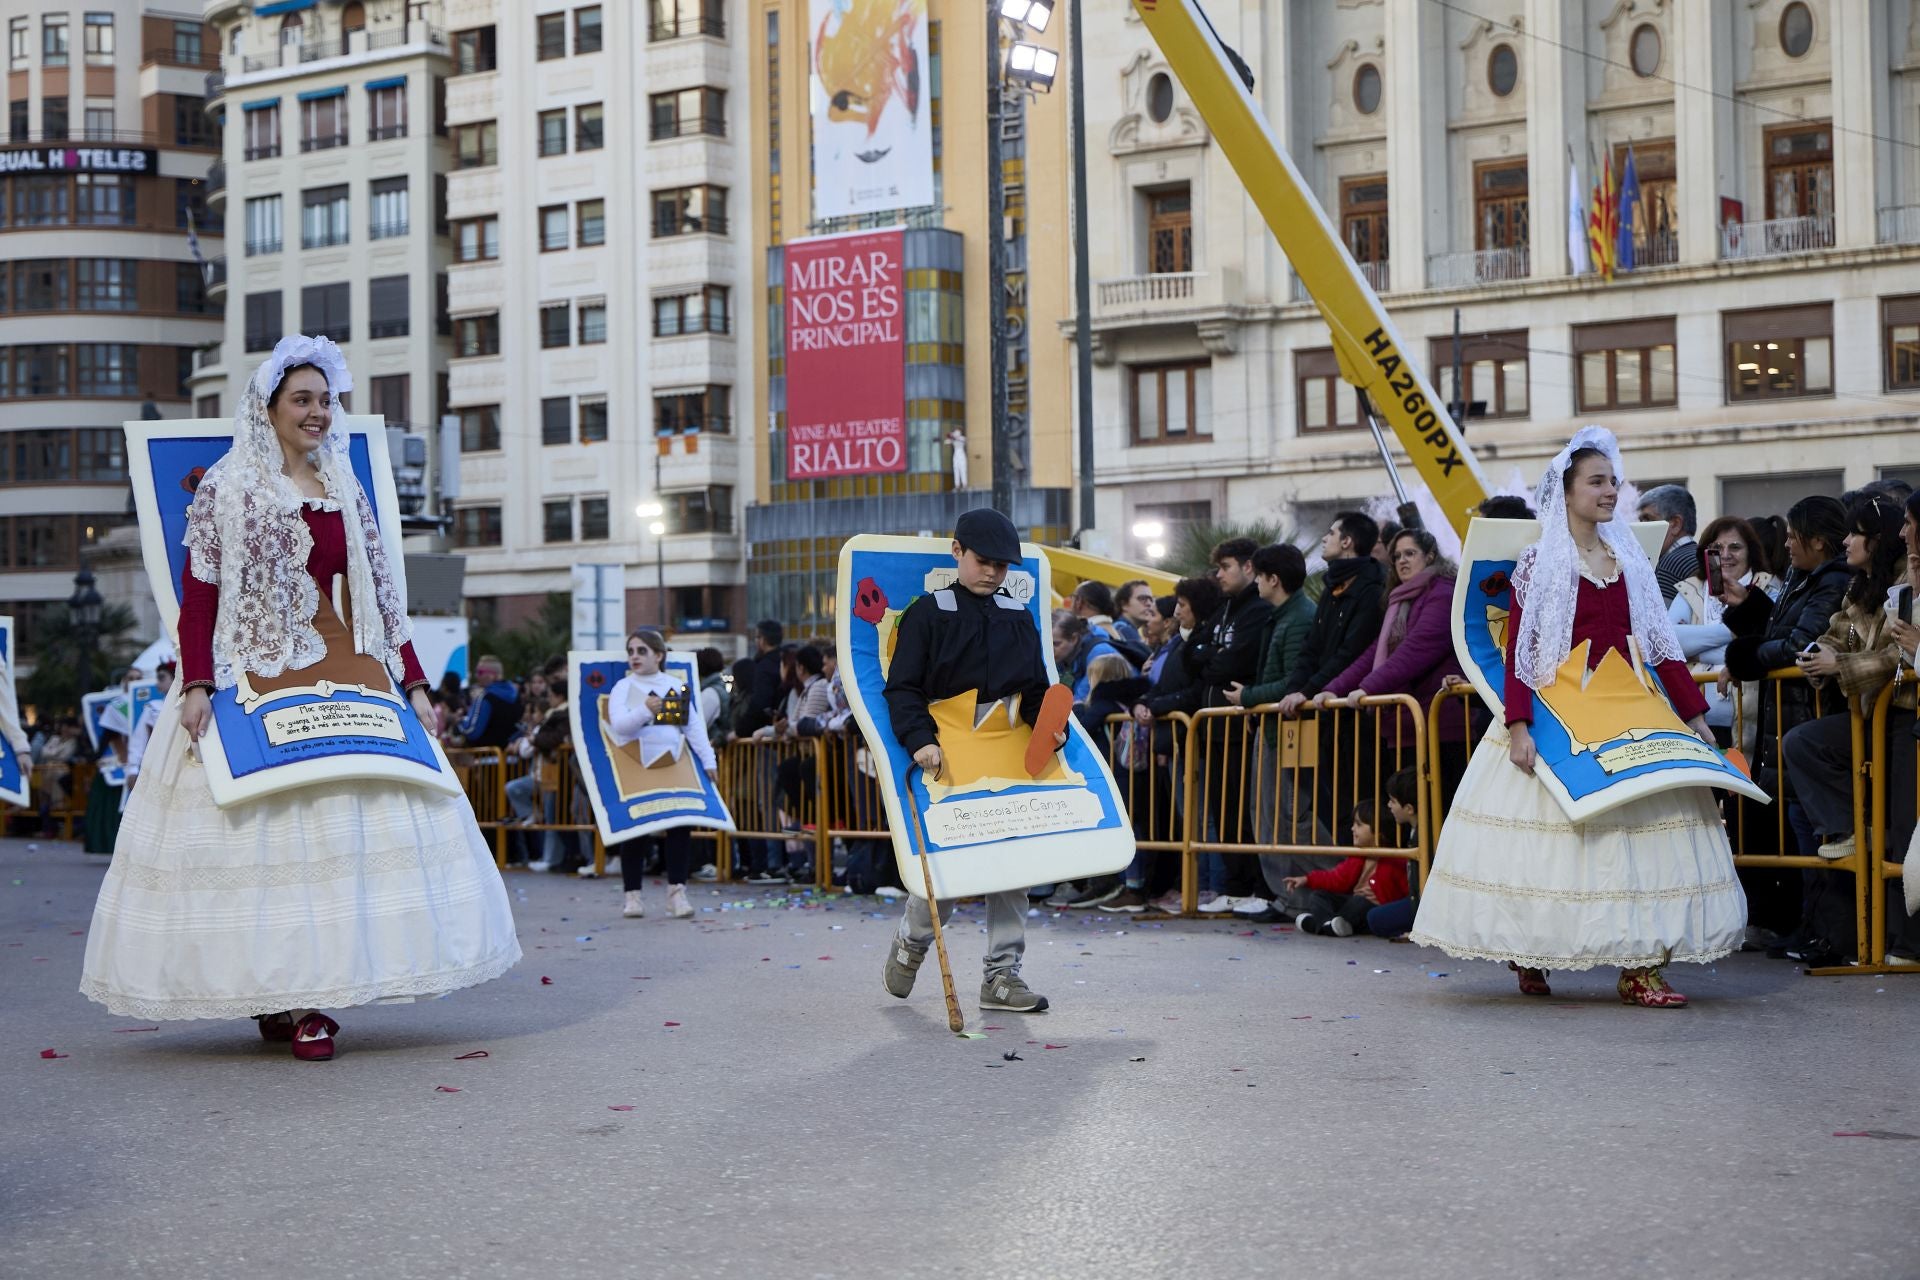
(749,782)
(1883,868)
(77,781)
(1148,782)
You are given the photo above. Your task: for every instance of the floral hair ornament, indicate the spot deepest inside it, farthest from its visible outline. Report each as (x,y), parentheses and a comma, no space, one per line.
(295,350)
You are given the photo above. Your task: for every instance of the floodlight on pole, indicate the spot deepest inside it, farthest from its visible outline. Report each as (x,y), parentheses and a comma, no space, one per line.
(1034,13)
(657,528)
(649,511)
(1149,530)
(1156,550)
(1032,65)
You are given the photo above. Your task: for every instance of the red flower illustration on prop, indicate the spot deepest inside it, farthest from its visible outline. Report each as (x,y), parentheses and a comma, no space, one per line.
(596,679)
(869,602)
(191,481)
(1495,585)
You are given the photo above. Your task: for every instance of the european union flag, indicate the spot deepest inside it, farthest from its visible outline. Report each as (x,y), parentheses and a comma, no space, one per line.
(1629,203)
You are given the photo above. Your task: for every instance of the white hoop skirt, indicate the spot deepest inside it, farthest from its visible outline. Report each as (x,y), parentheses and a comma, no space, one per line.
(320,898)
(1648,883)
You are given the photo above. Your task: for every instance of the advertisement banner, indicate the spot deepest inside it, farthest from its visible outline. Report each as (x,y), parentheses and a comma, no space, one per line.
(846,355)
(872,125)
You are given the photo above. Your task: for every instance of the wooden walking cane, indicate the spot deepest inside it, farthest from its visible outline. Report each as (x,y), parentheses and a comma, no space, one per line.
(955,1022)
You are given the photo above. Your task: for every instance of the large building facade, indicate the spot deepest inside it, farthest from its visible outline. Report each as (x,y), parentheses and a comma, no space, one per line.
(1766,345)
(104,173)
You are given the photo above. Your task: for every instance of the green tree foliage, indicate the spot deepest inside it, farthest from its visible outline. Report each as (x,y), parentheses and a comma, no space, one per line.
(54,687)
(527,647)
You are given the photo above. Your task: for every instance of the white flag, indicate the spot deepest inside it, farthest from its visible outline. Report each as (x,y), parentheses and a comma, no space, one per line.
(1579,261)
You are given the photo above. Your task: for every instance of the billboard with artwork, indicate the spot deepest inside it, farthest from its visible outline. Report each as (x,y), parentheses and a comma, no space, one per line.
(872,120)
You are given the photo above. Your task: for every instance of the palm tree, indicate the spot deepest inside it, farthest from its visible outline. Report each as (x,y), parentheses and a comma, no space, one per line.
(527,647)
(54,687)
(1192,554)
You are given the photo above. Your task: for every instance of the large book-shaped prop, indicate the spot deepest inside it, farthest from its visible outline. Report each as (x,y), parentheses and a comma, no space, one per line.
(14,765)
(989,824)
(632,796)
(133,700)
(344,720)
(1605,736)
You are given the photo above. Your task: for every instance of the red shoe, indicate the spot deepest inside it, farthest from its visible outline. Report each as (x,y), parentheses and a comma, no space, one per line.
(276,1028)
(1646,988)
(1533,982)
(313,1038)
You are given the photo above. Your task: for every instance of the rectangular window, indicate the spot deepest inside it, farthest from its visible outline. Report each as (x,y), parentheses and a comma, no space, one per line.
(703,311)
(554,321)
(192,127)
(41,201)
(1800,178)
(556,520)
(188,45)
(108,368)
(41,370)
(326,310)
(17,120)
(1628,364)
(323,122)
(100,454)
(41,284)
(323,217)
(480,428)
(99,37)
(1779,353)
(683,211)
(190,206)
(388,307)
(387,208)
(476,239)
(687,111)
(53,117)
(189,289)
(1322,399)
(593,519)
(1493,367)
(591,216)
(263,131)
(550,36)
(53,40)
(553,132)
(586,29)
(1500,205)
(1900,339)
(556,420)
(391,397)
(108,284)
(672,19)
(708,510)
(553,228)
(593,421)
(387,112)
(19,48)
(98,125)
(473,51)
(1171,402)
(477,335)
(685,412)
(593,323)
(105,200)
(589,127)
(263,321)
(263,225)
(1656,219)
(475,146)
(476,526)
(1170,230)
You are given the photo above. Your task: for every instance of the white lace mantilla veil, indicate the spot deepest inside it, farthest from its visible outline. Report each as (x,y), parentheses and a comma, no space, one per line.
(1546,581)
(246,534)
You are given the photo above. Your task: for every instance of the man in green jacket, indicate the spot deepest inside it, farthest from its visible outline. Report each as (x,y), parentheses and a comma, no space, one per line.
(1280,571)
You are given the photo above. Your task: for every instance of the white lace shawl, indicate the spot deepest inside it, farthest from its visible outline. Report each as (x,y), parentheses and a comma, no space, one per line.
(246,534)
(1546,582)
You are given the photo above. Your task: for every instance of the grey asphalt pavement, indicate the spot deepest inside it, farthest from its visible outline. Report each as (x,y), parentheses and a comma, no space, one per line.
(737,1096)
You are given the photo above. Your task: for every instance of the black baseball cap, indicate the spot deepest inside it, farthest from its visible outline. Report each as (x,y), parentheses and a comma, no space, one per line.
(988,534)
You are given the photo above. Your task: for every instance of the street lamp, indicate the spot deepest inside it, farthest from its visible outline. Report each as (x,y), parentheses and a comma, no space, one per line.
(1032,65)
(83,608)
(654,514)
(1035,13)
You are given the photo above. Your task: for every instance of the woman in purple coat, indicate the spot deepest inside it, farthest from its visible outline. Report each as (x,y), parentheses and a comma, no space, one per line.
(1414,654)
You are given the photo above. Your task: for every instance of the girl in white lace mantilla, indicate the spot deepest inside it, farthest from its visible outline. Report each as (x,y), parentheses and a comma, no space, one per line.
(320,897)
(1646,883)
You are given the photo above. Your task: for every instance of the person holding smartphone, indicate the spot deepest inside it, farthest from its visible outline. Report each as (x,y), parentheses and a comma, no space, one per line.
(1729,554)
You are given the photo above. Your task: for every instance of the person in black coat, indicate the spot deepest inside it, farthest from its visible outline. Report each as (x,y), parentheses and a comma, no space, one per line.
(758,700)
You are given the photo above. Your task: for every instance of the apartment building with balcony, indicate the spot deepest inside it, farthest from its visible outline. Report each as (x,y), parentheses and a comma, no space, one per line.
(333,186)
(104,175)
(598,296)
(1765,345)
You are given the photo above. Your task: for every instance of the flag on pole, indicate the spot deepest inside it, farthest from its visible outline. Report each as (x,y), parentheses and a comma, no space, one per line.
(1629,205)
(193,247)
(1579,259)
(1603,217)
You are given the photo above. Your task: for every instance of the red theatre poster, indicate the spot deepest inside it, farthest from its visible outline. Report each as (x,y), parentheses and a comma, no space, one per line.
(846,355)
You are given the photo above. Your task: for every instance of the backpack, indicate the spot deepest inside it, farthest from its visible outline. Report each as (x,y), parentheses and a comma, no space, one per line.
(722,725)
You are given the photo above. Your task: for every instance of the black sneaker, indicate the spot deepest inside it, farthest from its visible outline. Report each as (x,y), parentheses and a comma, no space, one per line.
(1307,924)
(1095,896)
(1130,902)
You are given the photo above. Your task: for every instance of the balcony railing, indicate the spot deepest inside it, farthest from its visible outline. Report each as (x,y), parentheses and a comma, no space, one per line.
(1378,276)
(293,55)
(690,126)
(1899,225)
(392,229)
(216,272)
(265,244)
(265,151)
(1133,291)
(207,357)
(217,177)
(170,57)
(1656,251)
(1775,237)
(712,424)
(216,84)
(381,132)
(1476,267)
(323,142)
(690,25)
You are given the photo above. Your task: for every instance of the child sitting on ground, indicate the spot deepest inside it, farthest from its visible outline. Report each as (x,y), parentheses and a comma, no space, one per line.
(1393,919)
(1338,898)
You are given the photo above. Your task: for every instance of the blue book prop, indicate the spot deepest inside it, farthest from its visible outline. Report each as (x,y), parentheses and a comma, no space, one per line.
(14,766)
(1606,736)
(93,706)
(631,797)
(281,737)
(989,824)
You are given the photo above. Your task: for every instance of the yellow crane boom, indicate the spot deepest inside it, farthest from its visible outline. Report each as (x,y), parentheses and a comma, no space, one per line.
(1370,351)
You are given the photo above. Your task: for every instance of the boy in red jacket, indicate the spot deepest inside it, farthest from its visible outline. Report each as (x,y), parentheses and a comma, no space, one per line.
(1340,896)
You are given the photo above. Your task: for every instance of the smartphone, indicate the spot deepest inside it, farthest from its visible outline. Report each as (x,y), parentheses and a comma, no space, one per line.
(1906,605)
(1716,580)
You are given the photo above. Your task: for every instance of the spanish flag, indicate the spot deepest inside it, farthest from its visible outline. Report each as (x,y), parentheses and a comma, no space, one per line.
(1603,222)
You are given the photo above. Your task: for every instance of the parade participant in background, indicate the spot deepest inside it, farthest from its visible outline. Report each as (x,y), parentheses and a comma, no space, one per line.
(107,797)
(322,896)
(494,713)
(636,711)
(1643,885)
(971,636)
(149,717)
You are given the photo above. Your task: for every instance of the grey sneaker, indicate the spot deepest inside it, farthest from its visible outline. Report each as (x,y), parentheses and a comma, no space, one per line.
(1007,991)
(903,966)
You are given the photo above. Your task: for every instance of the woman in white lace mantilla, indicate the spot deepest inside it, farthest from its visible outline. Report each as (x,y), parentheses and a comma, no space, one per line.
(1643,885)
(323,896)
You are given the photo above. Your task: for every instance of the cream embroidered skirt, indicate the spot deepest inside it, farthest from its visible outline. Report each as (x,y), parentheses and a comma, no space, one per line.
(320,898)
(1645,884)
